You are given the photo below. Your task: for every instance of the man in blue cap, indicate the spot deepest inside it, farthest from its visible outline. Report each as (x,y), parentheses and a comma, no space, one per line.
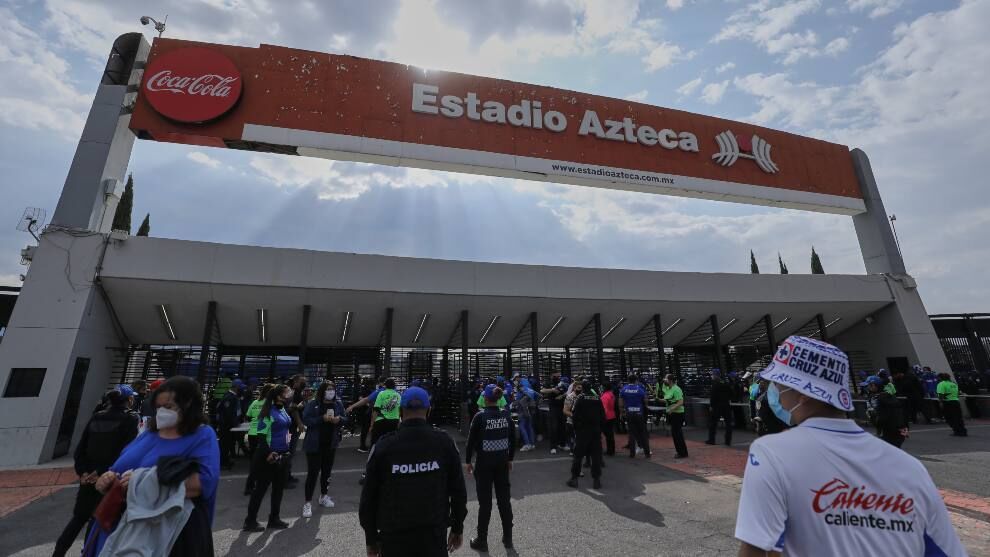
(493,437)
(229,416)
(414,489)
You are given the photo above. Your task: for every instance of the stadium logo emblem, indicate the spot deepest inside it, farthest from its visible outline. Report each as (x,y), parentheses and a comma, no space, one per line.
(732,147)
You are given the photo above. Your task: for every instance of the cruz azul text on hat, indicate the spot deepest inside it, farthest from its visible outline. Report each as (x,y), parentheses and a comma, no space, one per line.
(814,368)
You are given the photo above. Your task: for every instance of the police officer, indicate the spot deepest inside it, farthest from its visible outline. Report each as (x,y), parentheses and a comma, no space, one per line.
(589,415)
(414,489)
(493,437)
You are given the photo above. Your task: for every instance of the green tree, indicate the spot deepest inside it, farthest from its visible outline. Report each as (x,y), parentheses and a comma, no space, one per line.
(783,266)
(816,263)
(753,267)
(145,227)
(122,218)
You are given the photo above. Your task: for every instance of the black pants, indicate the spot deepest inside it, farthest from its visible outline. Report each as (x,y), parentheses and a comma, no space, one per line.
(638,436)
(417,542)
(555,425)
(319,464)
(227,444)
(252,448)
(676,422)
(609,431)
(714,413)
(953,416)
(893,437)
(488,474)
(382,427)
(267,473)
(588,444)
(87,500)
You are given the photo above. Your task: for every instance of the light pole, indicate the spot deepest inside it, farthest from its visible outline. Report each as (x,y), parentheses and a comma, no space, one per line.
(159,25)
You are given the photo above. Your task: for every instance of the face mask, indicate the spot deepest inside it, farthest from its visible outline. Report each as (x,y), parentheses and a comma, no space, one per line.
(773,398)
(165,418)
(329,395)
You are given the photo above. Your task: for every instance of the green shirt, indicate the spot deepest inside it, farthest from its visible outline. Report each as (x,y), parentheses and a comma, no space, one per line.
(387,405)
(252,412)
(223,385)
(890,389)
(501,402)
(947,390)
(671,395)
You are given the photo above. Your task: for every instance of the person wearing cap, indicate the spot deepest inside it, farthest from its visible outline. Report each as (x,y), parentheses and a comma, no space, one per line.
(948,393)
(102,441)
(492,436)
(886,412)
(825,486)
(229,416)
(415,488)
(589,416)
(632,398)
(720,407)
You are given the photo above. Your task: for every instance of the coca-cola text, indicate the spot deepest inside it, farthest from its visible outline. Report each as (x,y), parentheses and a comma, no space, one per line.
(212,85)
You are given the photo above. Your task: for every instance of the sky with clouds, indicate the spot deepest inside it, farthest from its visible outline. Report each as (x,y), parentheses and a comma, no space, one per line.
(905,80)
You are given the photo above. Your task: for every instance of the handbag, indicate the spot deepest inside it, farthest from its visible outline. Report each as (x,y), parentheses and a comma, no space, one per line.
(111,507)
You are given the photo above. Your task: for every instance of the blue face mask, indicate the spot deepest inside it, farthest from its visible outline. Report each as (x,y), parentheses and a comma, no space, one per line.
(773,399)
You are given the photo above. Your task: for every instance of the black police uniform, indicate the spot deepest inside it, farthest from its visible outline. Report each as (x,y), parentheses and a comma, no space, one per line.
(589,415)
(414,490)
(105,436)
(492,436)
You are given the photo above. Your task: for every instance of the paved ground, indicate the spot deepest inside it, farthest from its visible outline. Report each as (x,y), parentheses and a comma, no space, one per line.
(659,507)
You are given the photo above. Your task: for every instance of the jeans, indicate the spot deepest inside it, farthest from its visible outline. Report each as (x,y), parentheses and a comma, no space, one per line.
(319,464)
(526,430)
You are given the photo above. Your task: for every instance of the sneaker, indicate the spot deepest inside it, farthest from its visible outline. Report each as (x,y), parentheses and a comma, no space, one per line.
(361,481)
(479,544)
(326,502)
(277,524)
(307,511)
(553,451)
(253,527)
(360,450)
(681,456)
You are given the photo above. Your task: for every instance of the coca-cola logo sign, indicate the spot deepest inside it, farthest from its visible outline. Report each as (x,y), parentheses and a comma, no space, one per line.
(192,85)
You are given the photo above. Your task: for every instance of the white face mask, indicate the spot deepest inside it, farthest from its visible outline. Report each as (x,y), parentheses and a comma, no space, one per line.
(165,418)
(329,395)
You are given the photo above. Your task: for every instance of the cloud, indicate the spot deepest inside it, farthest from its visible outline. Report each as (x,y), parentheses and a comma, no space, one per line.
(766,24)
(689,87)
(725,67)
(37,92)
(877,8)
(713,92)
(837,46)
(783,101)
(675,5)
(662,55)
(638,96)
(202,158)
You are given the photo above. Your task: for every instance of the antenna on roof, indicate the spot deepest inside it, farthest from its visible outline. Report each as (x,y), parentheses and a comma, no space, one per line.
(31,221)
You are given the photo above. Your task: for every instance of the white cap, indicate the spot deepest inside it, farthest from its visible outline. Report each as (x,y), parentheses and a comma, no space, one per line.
(814,368)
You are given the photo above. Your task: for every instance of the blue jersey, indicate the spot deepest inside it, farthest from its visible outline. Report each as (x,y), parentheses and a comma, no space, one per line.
(374,395)
(634,397)
(930,382)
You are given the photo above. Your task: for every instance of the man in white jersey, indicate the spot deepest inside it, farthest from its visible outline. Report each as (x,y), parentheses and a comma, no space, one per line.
(826,487)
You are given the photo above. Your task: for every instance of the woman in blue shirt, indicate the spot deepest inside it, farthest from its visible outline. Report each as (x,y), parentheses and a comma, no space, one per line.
(178,428)
(270,465)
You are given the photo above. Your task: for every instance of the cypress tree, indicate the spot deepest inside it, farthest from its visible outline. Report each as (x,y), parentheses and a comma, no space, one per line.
(145,227)
(122,218)
(783,266)
(753,267)
(816,263)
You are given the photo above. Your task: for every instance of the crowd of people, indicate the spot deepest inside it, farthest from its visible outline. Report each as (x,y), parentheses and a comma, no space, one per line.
(157,436)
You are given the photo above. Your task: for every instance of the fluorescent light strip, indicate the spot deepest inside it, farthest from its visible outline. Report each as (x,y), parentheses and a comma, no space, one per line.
(782,321)
(488,329)
(347,323)
(672,325)
(422,324)
(613,327)
(833,322)
(163,311)
(722,328)
(552,329)
(262,329)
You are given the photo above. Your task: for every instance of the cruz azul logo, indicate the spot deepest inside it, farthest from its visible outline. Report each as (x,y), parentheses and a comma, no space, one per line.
(192,85)
(732,147)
